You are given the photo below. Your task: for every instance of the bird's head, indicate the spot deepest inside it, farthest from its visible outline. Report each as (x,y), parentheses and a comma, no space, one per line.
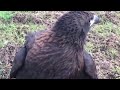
(75,25)
(85,19)
(94,20)
(77,20)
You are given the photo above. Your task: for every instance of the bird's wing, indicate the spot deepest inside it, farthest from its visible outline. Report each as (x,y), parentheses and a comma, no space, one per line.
(90,68)
(18,61)
(21,54)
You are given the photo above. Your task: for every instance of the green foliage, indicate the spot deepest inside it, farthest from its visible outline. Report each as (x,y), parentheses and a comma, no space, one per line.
(6,15)
(15,33)
(112,52)
(89,47)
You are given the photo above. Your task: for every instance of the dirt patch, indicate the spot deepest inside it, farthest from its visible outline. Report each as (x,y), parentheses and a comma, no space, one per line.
(47,18)
(7,54)
(26,18)
(112,17)
(106,62)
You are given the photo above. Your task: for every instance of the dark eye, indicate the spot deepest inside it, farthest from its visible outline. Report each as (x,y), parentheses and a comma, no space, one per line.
(90,18)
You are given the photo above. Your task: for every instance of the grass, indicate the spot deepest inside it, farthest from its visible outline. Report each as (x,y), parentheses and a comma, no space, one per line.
(106,29)
(89,47)
(102,32)
(14,32)
(112,52)
(6,15)
(116,70)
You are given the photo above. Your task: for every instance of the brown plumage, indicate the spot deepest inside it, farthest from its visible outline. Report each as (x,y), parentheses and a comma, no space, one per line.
(57,53)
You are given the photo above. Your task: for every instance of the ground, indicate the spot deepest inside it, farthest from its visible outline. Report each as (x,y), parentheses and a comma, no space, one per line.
(102,40)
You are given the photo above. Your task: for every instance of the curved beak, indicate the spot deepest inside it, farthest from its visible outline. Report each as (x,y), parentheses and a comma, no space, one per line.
(95,20)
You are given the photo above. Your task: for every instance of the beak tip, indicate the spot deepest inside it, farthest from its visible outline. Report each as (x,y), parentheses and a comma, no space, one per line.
(97,19)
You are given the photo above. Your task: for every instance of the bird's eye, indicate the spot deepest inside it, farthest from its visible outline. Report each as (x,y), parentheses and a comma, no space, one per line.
(91,18)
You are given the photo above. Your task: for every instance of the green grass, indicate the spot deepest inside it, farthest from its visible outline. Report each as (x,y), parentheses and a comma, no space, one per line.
(106,29)
(15,33)
(89,47)
(116,69)
(6,15)
(112,52)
